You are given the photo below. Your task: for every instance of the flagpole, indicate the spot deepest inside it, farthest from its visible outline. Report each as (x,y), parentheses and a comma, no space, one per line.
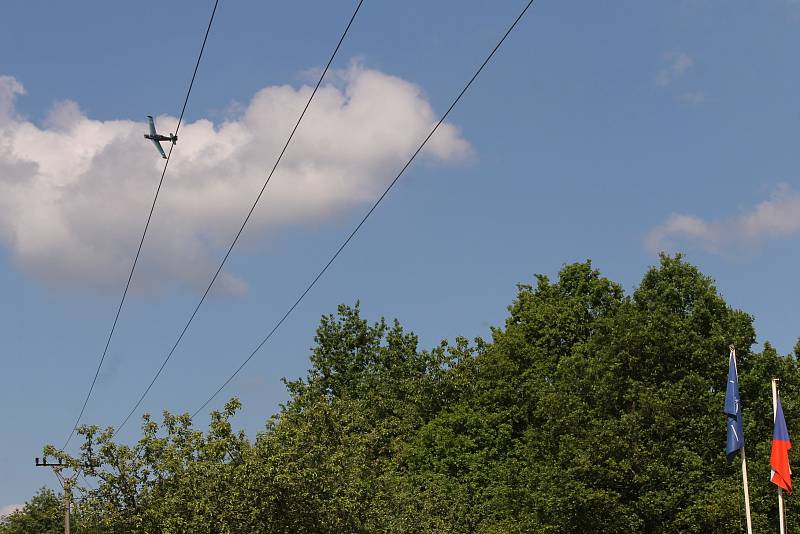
(781,518)
(745,484)
(746,495)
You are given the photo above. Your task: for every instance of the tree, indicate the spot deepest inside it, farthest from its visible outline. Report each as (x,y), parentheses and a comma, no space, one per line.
(589,411)
(593,411)
(43,514)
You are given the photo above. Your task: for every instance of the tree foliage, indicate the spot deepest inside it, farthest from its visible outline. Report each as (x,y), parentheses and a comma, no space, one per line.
(43,514)
(589,410)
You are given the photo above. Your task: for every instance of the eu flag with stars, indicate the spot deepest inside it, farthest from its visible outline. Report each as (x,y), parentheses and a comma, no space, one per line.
(733,409)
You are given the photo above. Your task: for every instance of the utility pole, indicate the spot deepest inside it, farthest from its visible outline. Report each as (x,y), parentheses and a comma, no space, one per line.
(67,483)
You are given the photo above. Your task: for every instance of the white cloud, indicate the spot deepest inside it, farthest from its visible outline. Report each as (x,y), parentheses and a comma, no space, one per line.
(679,63)
(75,192)
(771,219)
(9,89)
(9,509)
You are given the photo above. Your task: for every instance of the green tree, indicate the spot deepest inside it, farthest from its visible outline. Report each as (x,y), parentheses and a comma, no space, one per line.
(43,514)
(174,479)
(596,412)
(589,411)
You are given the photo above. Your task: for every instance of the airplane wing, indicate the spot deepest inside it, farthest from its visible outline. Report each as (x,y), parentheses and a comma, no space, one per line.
(152,126)
(158,145)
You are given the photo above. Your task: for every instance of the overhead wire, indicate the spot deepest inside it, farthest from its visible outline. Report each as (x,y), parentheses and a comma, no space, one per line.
(367,215)
(144,234)
(244,223)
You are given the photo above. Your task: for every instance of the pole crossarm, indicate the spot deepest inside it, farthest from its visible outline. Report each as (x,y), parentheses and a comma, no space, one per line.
(42,462)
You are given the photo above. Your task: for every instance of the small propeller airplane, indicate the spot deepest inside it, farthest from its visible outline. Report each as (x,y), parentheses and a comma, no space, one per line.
(155,137)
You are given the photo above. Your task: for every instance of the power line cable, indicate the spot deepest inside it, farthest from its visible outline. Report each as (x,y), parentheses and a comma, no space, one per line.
(364,219)
(144,233)
(244,223)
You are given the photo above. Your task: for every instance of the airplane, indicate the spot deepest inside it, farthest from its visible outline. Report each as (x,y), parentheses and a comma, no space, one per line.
(155,138)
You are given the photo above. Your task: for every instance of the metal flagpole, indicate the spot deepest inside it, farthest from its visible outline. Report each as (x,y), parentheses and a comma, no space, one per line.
(781,518)
(744,460)
(746,495)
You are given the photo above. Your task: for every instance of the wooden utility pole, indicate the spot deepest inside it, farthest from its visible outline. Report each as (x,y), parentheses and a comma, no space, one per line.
(66,484)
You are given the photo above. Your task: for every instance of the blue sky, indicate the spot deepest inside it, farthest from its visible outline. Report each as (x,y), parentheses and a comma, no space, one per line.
(601,130)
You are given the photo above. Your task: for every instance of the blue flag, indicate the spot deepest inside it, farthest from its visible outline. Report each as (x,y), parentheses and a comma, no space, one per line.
(733,409)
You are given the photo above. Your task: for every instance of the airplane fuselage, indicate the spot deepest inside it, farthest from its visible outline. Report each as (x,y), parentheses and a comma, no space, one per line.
(159,137)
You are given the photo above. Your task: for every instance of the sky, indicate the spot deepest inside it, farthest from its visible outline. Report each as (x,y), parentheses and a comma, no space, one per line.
(602,131)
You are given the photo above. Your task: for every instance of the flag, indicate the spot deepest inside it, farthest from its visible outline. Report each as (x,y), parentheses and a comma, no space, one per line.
(733,409)
(779,458)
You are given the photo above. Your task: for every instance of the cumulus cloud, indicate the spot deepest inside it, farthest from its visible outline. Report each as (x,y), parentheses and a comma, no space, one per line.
(75,192)
(9,509)
(777,217)
(678,64)
(9,89)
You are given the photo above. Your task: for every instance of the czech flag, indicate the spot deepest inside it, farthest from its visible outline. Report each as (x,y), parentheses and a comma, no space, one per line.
(779,458)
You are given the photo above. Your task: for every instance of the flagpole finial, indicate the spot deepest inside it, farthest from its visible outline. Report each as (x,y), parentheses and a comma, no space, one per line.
(733,349)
